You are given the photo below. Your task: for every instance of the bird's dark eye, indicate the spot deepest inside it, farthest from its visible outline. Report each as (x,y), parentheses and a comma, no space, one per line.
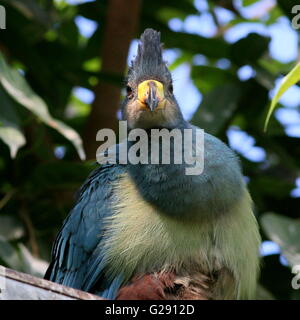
(129,92)
(170,88)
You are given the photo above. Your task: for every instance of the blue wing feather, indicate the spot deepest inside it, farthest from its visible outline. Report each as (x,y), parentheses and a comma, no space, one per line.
(77,260)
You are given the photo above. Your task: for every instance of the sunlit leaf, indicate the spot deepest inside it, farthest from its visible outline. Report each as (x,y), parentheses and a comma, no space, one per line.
(31,264)
(9,255)
(10,227)
(19,258)
(285,232)
(10,131)
(248,2)
(17,87)
(289,80)
(275,67)
(13,137)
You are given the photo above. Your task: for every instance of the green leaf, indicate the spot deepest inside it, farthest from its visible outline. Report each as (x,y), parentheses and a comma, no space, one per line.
(10,227)
(19,258)
(249,49)
(31,264)
(289,80)
(68,33)
(273,15)
(17,87)
(31,10)
(13,137)
(275,67)
(285,232)
(10,132)
(217,107)
(9,255)
(206,78)
(249,2)
(211,47)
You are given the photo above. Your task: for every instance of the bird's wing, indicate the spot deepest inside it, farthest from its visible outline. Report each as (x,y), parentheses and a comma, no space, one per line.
(76,254)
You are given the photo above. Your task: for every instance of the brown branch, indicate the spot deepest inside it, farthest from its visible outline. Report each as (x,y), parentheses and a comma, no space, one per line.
(24,215)
(6,198)
(20,286)
(121,23)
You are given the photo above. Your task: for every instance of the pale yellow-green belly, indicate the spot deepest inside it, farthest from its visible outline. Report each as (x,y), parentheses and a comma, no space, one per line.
(144,240)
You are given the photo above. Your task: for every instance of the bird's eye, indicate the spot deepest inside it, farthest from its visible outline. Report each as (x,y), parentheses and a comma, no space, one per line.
(170,88)
(129,92)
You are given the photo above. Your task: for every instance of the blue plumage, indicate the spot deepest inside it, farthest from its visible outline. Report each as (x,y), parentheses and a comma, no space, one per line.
(77,260)
(78,255)
(144,218)
(212,192)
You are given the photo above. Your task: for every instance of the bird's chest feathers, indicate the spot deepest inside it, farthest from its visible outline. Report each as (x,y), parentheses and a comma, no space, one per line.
(141,239)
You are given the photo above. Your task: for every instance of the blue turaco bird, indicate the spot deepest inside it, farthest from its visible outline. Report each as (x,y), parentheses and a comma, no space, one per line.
(150,231)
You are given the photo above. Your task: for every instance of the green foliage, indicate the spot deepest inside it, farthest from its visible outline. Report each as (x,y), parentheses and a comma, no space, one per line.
(252,48)
(285,232)
(18,89)
(10,131)
(289,80)
(213,104)
(43,57)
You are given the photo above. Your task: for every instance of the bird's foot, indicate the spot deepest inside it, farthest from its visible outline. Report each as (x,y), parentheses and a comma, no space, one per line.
(148,287)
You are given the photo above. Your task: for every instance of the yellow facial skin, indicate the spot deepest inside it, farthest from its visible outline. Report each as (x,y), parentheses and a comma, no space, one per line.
(151,95)
(151,106)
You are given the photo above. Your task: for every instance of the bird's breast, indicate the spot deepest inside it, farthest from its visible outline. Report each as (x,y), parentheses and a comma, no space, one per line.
(142,239)
(139,239)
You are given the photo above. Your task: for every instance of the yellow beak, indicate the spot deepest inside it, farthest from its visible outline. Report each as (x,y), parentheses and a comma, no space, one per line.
(151,93)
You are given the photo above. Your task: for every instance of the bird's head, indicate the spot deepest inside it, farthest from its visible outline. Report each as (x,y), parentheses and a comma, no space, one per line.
(150,102)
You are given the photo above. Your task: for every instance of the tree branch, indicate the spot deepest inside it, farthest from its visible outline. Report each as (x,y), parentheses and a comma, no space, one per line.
(121,23)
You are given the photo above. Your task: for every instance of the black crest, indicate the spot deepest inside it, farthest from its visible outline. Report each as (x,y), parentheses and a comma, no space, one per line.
(149,60)
(149,49)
